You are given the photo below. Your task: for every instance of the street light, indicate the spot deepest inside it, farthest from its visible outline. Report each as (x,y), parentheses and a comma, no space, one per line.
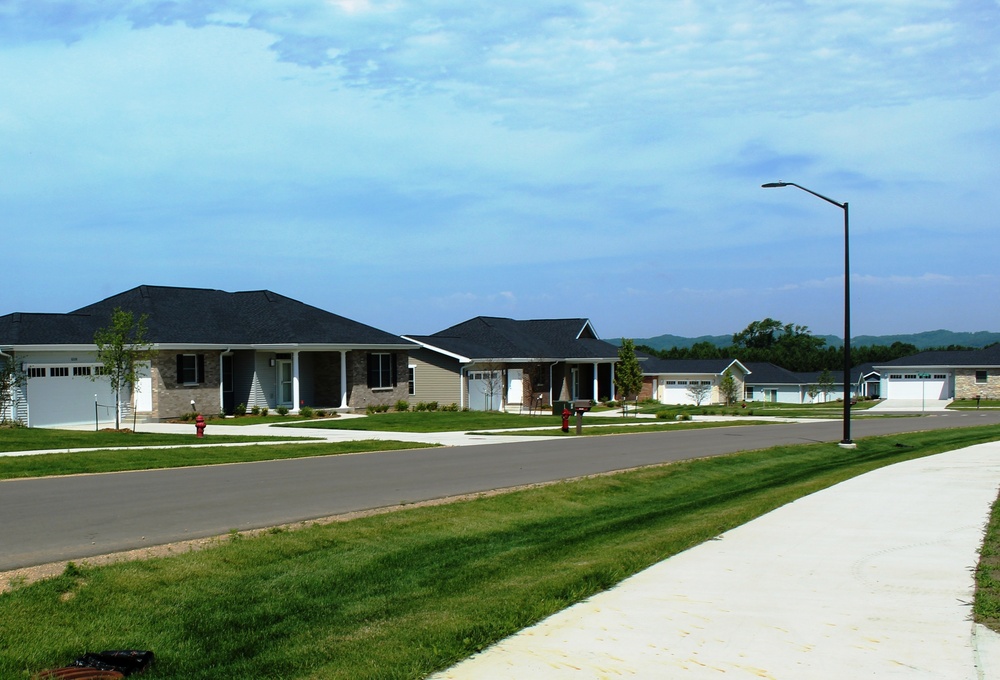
(846,441)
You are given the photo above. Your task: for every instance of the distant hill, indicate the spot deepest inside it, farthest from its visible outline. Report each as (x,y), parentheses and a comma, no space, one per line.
(925,340)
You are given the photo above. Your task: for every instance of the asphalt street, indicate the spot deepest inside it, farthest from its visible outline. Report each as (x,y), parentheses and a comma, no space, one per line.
(70,518)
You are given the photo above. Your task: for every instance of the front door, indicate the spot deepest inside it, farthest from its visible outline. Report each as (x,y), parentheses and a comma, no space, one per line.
(284,383)
(515,385)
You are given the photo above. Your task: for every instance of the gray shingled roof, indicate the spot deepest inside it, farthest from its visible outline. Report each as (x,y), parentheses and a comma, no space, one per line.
(498,338)
(656,366)
(198,316)
(988,356)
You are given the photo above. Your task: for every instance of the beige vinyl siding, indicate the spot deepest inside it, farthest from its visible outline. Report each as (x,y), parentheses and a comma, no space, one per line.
(435,378)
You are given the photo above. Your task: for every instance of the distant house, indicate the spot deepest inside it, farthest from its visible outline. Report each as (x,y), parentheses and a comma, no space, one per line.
(943,375)
(213,351)
(494,363)
(770,383)
(672,381)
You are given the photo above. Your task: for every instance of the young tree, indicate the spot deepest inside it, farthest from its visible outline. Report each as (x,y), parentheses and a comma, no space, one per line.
(492,382)
(813,392)
(121,347)
(727,386)
(825,383)
(628,373)
(12,378)
(698,390)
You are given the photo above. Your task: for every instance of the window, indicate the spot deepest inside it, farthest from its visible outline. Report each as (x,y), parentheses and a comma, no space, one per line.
(412,370)
(190,369)
(910,376)
(381,370)
(748,392)
(81,370)
(36,372)
(99,370)
(981,378)
(940,376)
(59,371)
(895,376)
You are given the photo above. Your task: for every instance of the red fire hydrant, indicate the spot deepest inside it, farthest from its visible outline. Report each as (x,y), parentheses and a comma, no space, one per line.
(199,425)
(565,415)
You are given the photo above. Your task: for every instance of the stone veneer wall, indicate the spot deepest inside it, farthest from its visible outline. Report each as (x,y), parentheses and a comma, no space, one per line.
(966,386)
(171,400)
(361,395)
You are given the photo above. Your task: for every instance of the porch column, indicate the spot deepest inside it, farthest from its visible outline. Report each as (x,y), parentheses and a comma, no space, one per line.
(596,393)
(343,378)
(295,381)
(613,383)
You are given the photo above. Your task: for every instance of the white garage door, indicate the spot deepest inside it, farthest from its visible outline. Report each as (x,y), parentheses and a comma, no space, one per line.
(485,391)
(911,386)
(64,395)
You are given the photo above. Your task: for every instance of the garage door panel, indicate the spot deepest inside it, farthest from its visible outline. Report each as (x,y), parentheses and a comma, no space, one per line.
(66,400)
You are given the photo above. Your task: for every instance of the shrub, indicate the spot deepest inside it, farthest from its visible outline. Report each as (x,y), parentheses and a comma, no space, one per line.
(240,410)
(450,407)
(320,413)
(683,416)
(306,411)
(264,411)
(282,410)
(663,415)
(402,405)
(432,406)
(255,410)
(421,406)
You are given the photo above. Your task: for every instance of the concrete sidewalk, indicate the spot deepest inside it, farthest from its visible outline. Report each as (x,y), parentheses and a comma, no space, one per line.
(872,578)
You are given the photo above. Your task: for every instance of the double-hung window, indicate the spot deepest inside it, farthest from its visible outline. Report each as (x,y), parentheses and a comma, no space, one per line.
(190,369)
(381,370)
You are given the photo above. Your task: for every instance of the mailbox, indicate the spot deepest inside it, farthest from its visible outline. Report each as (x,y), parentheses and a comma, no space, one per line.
(581,405)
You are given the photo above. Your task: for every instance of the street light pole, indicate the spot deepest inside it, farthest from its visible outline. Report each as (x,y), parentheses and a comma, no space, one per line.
(846,441)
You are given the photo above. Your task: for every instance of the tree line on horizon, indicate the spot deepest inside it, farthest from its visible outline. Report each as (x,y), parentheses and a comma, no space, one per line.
(790,346)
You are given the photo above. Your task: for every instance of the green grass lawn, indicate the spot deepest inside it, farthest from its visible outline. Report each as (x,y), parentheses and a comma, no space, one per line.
(971,404)
(608,426)
(831,409)
(81,462)
(403,594)
(45,439)
(435,421)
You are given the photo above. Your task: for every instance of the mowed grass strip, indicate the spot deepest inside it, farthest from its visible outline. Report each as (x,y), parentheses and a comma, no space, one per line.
(433,421)
(83,462)
(45,439)
(614,426)
(404,594)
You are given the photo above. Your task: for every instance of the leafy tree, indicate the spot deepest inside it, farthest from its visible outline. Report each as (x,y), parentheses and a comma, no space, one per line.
(825,383)
(727,386)
(813,392)
(12,378)
(121,347)
(758,335)
(628,373)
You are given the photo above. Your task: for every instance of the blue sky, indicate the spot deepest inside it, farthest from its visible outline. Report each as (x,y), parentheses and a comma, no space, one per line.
(414,164)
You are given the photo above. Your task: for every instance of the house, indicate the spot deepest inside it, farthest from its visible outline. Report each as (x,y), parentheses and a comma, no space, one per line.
(770,383)
(212,350)
(493,363)
(683,381)
(943,375)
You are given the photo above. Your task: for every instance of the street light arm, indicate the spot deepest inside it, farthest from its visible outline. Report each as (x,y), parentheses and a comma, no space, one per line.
(774,185)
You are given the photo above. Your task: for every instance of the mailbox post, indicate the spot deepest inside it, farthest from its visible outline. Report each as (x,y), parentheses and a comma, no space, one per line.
(580,406)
